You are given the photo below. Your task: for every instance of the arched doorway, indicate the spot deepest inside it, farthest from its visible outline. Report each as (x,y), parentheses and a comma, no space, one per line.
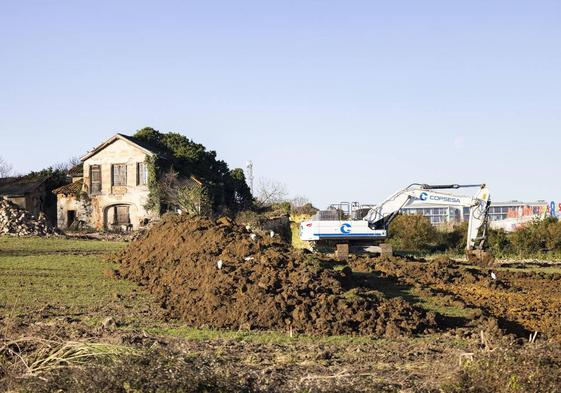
(118,217)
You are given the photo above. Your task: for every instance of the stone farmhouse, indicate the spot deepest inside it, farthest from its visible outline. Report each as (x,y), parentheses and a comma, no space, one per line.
(109,190)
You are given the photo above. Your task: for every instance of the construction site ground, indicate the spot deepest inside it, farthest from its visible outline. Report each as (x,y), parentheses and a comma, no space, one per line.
(69,320)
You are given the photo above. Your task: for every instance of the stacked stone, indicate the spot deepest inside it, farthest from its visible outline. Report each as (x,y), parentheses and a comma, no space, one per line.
(15,221)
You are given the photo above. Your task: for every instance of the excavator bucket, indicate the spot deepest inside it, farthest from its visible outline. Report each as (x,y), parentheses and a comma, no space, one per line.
(480,258)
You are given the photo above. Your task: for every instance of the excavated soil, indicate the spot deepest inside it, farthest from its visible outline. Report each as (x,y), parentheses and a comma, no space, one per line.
(264,284)
(221,275)
(522,301)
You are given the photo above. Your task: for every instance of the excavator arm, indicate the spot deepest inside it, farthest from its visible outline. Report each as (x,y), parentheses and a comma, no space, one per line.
(380,216)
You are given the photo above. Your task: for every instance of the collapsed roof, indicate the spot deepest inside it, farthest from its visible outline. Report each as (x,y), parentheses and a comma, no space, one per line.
(19,186)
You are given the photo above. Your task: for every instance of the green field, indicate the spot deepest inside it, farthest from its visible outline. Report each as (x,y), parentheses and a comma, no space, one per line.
(58,277)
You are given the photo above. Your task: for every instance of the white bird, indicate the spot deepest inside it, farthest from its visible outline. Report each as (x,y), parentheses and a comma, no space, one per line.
(493,276)
(249,259)
(272,233)
(219,264)
(253,236)
(248,227)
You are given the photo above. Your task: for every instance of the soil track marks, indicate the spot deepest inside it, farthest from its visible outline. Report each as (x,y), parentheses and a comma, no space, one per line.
(522,302)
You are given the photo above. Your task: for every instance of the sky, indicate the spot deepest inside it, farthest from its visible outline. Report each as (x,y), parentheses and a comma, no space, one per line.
(338,100)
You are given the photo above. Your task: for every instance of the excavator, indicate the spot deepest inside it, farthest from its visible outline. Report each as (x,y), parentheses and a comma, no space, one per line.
(355,227)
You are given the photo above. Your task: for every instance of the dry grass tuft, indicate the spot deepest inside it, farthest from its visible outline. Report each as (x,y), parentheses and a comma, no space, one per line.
(32,356)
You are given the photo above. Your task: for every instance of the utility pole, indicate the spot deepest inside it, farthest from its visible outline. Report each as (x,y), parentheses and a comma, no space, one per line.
(249,171)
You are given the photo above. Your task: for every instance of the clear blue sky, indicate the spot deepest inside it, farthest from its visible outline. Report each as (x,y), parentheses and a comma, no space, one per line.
(340,100)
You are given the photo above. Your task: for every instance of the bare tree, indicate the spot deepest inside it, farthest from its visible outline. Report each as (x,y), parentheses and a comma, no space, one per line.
(192,199)
(302,205)
(270,191)
(6,169)
(65,166)
(182,193)
(167,185)
(299,201)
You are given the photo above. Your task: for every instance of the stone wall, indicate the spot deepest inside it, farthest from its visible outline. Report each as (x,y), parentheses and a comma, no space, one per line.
(80,206)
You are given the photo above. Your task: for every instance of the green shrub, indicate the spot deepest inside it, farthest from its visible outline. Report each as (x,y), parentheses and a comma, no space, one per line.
(454,239)
(499,242)
(412,233)
(416,234)
(537,236)
(306,209)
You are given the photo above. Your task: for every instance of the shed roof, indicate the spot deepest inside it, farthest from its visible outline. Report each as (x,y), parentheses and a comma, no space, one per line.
(70,189)
(76,170)
(17,186)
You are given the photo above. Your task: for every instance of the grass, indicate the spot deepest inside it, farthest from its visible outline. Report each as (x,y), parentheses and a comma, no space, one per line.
(50,355)
(529,268)
(256,337)
(439,305)
(40,245)
(526,267)
(36,273)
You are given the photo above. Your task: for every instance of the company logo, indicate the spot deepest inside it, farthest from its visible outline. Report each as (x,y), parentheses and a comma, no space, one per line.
(444,198)
(345,228)
(423,196)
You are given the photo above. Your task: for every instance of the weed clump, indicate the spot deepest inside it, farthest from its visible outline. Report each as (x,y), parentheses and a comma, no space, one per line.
(530,368)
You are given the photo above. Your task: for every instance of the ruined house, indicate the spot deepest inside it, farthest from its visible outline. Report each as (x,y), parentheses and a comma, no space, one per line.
(109,190)
(30,193)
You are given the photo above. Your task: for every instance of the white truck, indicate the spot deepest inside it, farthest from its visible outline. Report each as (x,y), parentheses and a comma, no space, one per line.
(350,224)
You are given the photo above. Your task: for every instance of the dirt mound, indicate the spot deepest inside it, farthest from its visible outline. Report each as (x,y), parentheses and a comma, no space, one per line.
(16,221)
(221,275)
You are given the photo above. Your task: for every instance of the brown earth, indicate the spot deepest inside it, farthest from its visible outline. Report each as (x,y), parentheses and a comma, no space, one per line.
(264,284)
(221,275)
(521,301)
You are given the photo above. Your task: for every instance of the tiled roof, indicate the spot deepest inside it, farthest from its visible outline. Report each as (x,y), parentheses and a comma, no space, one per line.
(76,170)
(70,189)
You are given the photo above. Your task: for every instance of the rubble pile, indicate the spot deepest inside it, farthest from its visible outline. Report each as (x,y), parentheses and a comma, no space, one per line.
(16,221)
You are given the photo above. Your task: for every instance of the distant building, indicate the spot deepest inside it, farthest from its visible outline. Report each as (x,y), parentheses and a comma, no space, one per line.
(30,193)
(505,215)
